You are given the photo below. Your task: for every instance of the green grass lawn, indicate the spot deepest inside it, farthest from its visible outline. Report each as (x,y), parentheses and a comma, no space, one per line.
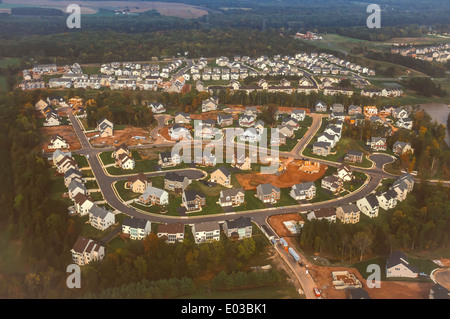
(107,158)
(251,202)
(125,194)
(91,184)
(81,160)
(96,196)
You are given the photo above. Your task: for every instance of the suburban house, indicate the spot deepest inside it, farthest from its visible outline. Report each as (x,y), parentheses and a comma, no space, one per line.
(206,160)
(338,115)
(328,213)
(166,159)
(320,106)
(210,104)
(299,115)
(52,119)
(238,228)
(401,189)
(157,108)
(86,250)
(291,121)
(65,164)
(136,228)
(72,174)
(344,172)
(337,108)
(332,183)
(173,232)
(125,161)
(224,119)
(100,217)
(321,148)
(398,266)
(231,197)
(182,118)
(399,113)
(370,110)
(206,232)
(193,200)
(154,196)
(243,162)
(40,105)
(246,120)
(405,123)
(328,138)
(59,155)
(399,148)
(57,142)
(286,130)
(348,214)
(354,156)
(407,179)
(138,183)
(369,205)
(119,150)
(250,135)
(303,191)
(378,143)
(354,109)
(175,182)
(105,127)
(221,176)
(268,193)
(75,188)
(178,132)
(388,199)
(82,204)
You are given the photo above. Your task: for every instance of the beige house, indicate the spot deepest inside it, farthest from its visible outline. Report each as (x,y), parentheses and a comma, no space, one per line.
(138,183)
(398,265)
(348,214)
(118,150)
(221,176)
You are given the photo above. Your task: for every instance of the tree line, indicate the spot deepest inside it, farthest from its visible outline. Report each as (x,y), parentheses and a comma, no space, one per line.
(421,222)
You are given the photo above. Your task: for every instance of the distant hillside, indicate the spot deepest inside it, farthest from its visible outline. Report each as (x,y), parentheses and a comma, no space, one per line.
(35,11)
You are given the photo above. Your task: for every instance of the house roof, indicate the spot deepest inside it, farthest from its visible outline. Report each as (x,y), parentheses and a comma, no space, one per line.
(141,177)
(268,188)
(372,200)
(134,222)
(172,176)
(153,191)
(191,194)
(325,212)
(398,257)
(207,226)
(171,228)
(321,145)
(98,211)
(231,192)
(224,170)
(240,222)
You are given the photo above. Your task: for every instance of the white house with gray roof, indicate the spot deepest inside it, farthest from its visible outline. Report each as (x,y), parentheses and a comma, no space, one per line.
(100,217)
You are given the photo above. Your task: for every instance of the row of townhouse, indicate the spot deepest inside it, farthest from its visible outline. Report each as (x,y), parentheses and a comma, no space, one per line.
(369,205)
(329,137)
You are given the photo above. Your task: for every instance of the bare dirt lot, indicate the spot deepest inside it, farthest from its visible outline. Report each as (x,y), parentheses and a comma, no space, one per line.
(122,136)
(212,115)
(322,275)
(237,109)
(66,131)
(291,176)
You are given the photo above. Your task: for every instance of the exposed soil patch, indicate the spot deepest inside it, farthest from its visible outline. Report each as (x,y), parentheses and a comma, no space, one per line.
(66,131)
(123,136)
(291,176)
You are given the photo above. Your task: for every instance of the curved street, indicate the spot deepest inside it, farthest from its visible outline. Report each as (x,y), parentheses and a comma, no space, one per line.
(105,182)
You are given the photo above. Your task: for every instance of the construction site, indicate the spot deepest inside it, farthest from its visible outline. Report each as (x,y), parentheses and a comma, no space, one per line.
(290,172)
